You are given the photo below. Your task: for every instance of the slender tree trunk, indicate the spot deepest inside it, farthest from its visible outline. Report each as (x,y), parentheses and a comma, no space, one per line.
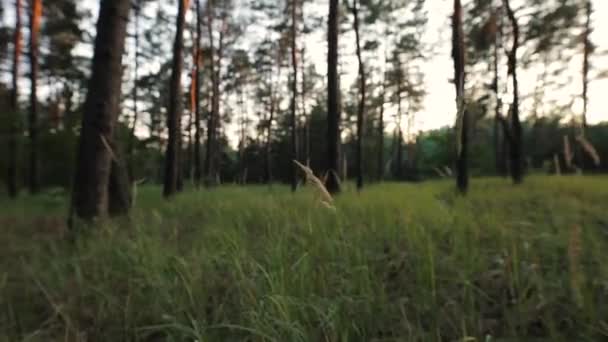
(11,179)
(399,135)
(304,111)
(333,99)
(211,125)
(95,154)
(587,49)
(133,137)
(498,137)
(294,95)
(362,90)
(35,16)
(462,176)
(381,131)
(174,114)
(197,96)
(516,148)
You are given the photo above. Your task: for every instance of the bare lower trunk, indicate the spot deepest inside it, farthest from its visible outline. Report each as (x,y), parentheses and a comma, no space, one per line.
(132,137)
(36,12)
(361,108)
(462,175)
(294,96)
(516,148)
(94,158)
(172,156)
(333,100)
(11,177)
(197,96)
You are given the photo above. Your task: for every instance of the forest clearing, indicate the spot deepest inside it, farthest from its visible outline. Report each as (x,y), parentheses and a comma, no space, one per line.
(303,170)
(400,262)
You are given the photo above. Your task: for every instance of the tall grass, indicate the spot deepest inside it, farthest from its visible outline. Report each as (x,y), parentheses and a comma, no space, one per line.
(398,262)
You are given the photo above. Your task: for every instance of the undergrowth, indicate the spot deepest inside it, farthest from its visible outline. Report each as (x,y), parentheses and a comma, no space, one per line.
(397,262)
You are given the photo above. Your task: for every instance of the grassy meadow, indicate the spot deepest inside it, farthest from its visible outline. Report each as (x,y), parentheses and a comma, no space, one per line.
(398,262)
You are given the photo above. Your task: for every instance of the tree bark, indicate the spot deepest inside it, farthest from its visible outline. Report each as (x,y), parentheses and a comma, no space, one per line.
(458,54)
(174,114)
(11,179)
(362,94)
(197,96)
(94,158)
(36,12)
(333,98)
(516,148)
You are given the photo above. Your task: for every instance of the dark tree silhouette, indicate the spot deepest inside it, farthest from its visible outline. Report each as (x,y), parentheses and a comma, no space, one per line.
(174,114)
(35,17)
(362,89)
(132,137)
(197,96)
(333,99)
(11,177)
(95,150)
(458,55)
(294,94)
(514,131)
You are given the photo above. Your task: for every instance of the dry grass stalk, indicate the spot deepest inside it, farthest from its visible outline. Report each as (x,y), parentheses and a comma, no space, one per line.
(567,152)
(575,249)
(439,172)
(589,149)
(324,195)
(108,147)
(558,170)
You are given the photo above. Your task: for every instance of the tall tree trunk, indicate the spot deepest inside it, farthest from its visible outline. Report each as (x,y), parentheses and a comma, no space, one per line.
(587,49)
(132,136)
(381,130)
(362,89)
(94,158)
(333,99)
(197,96)
(304,111)
(294,96)
(498,137)
(35,16)
(462,172)
(11,179)
(399,135)
(211,120)
(516,148)
(174,114)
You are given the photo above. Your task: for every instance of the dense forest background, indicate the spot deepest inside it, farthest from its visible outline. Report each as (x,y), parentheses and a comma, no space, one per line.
(253,99)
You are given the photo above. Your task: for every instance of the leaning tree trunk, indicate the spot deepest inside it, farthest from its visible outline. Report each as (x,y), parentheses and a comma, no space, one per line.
(333,98)
(516,148)
(462,176)
(11,177)
(172,155)
(361,108)
(294,96)
(35,16)
(94,158)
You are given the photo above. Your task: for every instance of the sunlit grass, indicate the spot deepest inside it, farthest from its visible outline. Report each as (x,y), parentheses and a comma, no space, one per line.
(398,262)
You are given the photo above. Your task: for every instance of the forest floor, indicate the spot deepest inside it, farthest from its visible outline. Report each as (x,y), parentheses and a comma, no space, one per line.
(398,262)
